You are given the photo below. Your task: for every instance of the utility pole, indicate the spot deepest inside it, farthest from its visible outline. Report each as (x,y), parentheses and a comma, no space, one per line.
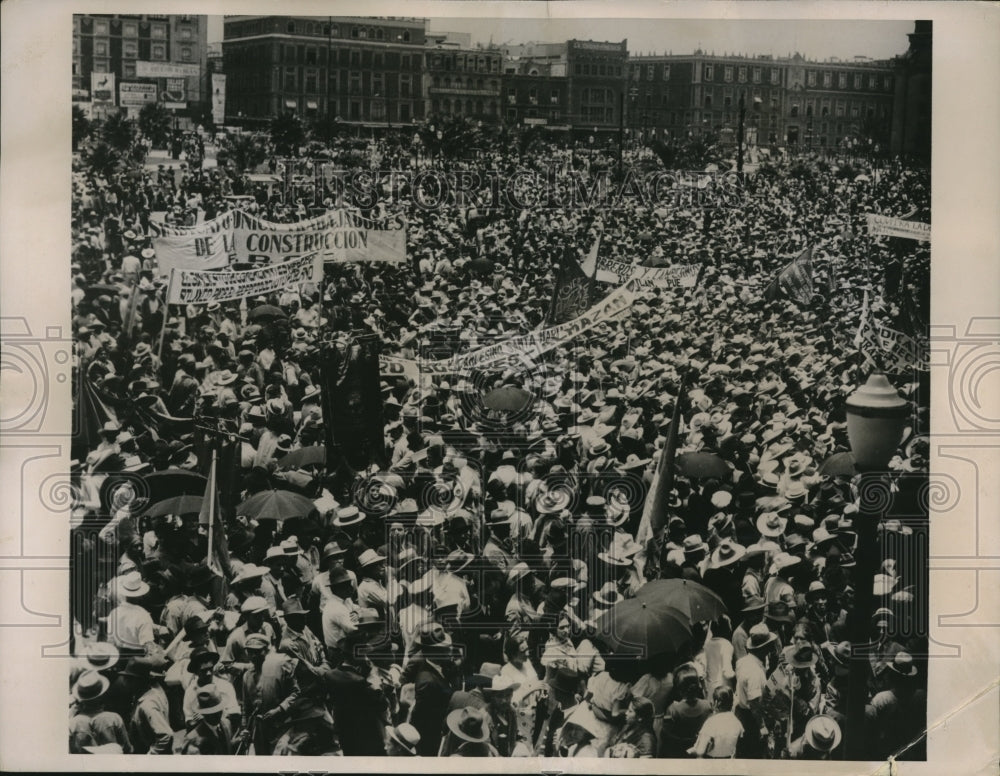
(739,135)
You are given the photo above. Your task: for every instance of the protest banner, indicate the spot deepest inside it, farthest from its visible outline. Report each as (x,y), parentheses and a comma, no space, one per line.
(884,226)
(901,352)
(794,281)
(199,287)
(338,236)
(683,275)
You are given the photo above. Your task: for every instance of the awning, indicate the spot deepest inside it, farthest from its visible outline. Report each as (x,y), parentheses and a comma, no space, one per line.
(312,105)
(290,103)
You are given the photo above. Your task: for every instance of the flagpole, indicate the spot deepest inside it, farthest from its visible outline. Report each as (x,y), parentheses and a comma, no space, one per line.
(166,315)
(211,507)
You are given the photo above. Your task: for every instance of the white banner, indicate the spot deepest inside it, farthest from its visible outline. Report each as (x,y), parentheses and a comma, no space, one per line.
(901,352)
(683,275)
(218,99)
(102,87)
(884,226)
(134,95)
(195,287)
(338,236)
(165,70)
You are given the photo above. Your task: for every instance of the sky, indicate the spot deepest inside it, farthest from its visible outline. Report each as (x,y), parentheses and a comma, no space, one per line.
(814,39)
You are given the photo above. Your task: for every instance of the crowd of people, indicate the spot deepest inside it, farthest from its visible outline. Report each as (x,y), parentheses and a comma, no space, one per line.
(455,601)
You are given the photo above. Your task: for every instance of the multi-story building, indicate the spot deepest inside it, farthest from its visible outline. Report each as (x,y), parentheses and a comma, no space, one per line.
(790,102)
(911,114)
(535,86)
(460,80)
(123,61)
(361,71)
(598,78)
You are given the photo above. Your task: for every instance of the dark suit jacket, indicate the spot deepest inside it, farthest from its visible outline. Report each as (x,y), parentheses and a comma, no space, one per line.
(202,739)
(358,713)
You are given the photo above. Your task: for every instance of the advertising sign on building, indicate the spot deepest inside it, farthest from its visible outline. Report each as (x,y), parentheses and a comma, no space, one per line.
(175,90)
(102,87)
(165,70)
(133,95)
(219,98)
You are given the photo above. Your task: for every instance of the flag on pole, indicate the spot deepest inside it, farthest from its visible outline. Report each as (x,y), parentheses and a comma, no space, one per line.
(209,515)
(573,293)
(654,511)
(355,402)
(590,267)
(794,281)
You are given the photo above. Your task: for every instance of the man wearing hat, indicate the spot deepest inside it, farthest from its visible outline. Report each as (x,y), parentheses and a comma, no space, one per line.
(297,639)
(359,709)
(340,614)
(468,734)
(821,737)
(201,665)
(895,716)
(149,726)
(269,689)
(130,625)
(254,613)
(503,717)
(751,679)
(431,670)
(402,741)
(212,733)
(793,691)
(90,723)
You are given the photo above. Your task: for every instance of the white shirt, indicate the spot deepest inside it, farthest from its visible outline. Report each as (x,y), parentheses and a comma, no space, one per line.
(339,619)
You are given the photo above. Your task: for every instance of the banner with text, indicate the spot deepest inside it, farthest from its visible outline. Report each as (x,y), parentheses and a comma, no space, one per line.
(884,226)
(219,99)
(337,236)
(196,287)
(683,275)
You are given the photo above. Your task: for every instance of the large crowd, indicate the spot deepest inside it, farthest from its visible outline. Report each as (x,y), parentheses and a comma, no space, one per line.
(454,601)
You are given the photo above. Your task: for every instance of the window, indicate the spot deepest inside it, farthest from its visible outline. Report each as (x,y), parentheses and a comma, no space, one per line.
(158,31)
(511,98)
(378,84)
(128,69)
(709,73)
(130,30)
(775,75)
(825,110)
(827,80)
(554,115)
(186,53)
(100,28)
(356,58)
(809,108)
(404,85)
(554,97)
(756,75)
(649,72)
(742,75)
(184,33)
(842,80)
(854,110)
(355,83)
(377,59)
(811,78)
(406,36)
(857,80)
(311,83)
(379,35)
(602,70)
(728,75)
(100,48)
(355,33)
(795,110)
(666,72)
(840,109)
(577,69)
(888,82)
(404,62)
(159,52)
(289,79)
(873,82)
(708,100)
(533,96)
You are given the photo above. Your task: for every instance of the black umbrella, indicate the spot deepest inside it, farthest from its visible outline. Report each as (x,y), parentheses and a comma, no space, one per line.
(90,292)
(508,398)
(481,265)
(643,626)
(275,505)
(703,466)
(178,505)
(696,601)
(839,465)
(174,482)
(265,311)
(304,456)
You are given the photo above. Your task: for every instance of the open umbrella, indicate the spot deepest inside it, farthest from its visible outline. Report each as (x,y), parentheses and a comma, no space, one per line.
(839,465)
(507,398)
(174,482)
(178,505)
(275,505)
(703,466)
(101,289)
(481,265)
(305,456)
(643,626)
(694,600)
(265,311)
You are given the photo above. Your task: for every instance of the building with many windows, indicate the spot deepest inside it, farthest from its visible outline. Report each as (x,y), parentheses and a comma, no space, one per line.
(460,80)
(123,61)
(361,71)
(789,102)
(597,74)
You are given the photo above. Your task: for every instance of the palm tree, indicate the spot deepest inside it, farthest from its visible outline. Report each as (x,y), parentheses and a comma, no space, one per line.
(244,152)
(118,132)
(288,133)
(81,126)
(154,121)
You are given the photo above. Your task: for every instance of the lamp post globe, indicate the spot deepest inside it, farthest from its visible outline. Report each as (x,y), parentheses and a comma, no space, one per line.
(876,418)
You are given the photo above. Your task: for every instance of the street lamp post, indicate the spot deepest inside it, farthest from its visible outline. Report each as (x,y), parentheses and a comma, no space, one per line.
(739,134)
(876,417)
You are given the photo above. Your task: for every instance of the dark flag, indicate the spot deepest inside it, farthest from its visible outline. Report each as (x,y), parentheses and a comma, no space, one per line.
(572,294)
(794,281)
(91,415)
(353,411)
(654,513)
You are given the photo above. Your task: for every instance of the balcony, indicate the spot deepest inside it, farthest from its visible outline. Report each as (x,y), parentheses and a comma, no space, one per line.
(463,91)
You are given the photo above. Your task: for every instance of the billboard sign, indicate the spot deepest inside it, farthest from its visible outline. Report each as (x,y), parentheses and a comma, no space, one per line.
(134,95)
(165,70)
(102,87)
